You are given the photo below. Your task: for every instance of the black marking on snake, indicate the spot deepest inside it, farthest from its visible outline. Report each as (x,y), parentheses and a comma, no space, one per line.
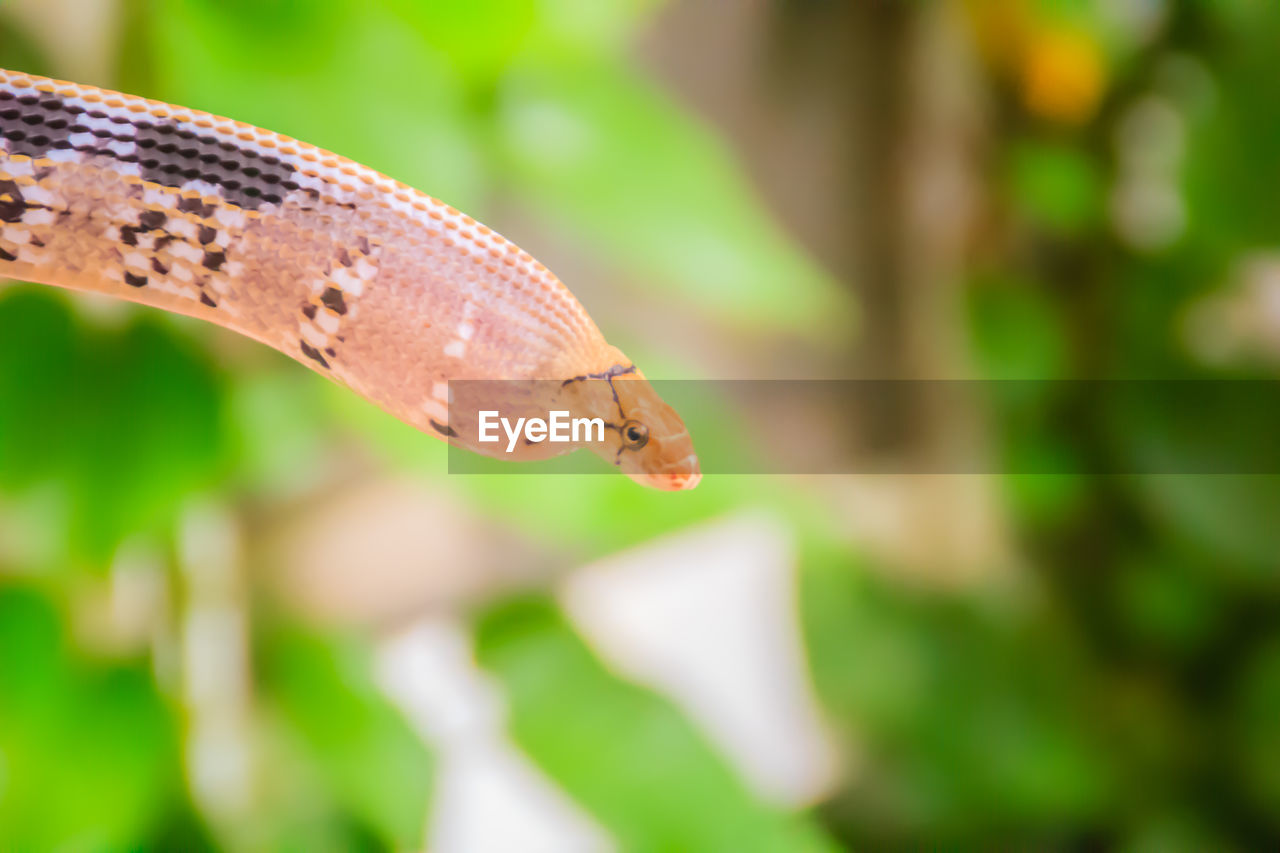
(443,429)
(309,311)
(7,256)
(135,280)
(214,260)
(331,351)
(12,205)
(36,241)
(159,267)
(196,206)
(205,300)
(163,240)
(172,154)
(616,370)
(332,299)
(18,125)
(312,353)
(608,376)
(128,235)
(168,153)
(616,401)
(150,220)
(207,235)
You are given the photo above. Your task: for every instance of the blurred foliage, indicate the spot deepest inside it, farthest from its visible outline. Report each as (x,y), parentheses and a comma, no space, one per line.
(90,749)
(675,794)
(366,762)
(1126,695)
(976,723)
(128,421)
(1167,584)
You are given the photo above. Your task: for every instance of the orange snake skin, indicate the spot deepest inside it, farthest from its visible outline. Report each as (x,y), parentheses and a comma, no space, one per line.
(360,278)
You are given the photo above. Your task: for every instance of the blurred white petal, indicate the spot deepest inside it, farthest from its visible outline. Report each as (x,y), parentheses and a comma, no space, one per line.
(428,671)
(708,618)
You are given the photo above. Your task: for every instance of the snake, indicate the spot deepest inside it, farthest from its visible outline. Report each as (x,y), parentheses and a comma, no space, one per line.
(379,287)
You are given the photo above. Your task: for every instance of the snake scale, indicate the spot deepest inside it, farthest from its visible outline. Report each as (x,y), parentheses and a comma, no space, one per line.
(367,281)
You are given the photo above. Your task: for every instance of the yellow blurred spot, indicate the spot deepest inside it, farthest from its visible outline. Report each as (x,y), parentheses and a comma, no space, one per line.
(1000,31)
(1058,69)
(1063,76)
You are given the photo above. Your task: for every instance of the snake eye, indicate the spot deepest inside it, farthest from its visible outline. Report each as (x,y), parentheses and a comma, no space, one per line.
(635,435)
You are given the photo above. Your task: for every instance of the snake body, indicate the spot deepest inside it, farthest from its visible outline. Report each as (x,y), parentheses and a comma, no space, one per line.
(382,288)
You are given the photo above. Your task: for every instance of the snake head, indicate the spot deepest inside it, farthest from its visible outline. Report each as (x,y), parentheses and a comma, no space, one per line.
(644,437)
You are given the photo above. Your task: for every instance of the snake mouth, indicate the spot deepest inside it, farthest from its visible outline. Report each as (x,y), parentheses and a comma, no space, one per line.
(669,482)
(683,482)
(686,476)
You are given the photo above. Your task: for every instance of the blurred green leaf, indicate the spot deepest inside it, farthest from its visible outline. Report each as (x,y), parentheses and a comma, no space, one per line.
(1016,334)
(372,765)
(131,418)
(37,369)
(149,431)
(1056,186)
(281,429)
(616,162)
(1166,604)
(575,28)
(1231,516)
(1256,733)
(966,716)
(630,758)
(89,754)
(1231,147)
(480,37)
(1179,830)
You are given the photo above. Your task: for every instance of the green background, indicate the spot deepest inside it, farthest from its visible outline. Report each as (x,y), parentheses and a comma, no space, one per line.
(1109,674)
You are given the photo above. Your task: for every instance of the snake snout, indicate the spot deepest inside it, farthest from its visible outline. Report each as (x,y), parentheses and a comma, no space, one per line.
(683,482)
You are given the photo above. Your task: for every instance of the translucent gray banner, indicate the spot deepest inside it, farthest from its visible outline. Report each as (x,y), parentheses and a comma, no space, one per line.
(1128,426)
